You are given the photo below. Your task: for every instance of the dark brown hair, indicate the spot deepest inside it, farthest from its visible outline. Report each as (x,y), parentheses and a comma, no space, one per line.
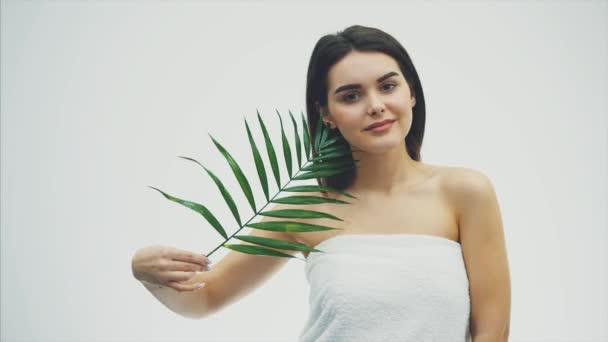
(329,50)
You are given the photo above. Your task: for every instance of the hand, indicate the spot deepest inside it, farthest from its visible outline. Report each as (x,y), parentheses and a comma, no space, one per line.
(168,266)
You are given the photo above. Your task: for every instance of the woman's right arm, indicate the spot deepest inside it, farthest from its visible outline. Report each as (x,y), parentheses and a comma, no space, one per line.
(170,275)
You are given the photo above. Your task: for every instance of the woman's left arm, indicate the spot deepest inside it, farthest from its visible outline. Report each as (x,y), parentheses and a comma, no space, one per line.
(485,256)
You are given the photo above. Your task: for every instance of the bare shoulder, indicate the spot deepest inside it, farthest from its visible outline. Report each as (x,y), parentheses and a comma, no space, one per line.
(463,179)
(460,184)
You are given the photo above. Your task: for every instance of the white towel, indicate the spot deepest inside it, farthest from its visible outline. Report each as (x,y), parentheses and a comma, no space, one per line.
(387,287)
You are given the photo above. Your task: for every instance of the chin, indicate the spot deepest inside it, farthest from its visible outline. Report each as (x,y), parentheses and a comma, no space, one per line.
(383,145)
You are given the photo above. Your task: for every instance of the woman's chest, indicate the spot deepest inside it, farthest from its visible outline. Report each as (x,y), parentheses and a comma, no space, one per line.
(427,210)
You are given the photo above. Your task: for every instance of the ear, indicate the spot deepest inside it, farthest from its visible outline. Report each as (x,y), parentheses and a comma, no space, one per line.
(327,120)
(324,115)
(413,101)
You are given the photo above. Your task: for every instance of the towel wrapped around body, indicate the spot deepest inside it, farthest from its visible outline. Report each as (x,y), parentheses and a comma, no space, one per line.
(387,287)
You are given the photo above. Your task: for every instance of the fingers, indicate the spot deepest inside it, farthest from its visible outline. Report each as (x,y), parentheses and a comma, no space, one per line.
(177,268)
(184,287)
(179,281)
(178,276)
(191,257)
(186,266)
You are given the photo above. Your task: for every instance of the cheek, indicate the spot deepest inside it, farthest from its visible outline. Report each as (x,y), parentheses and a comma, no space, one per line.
(351,131)
(408,124)
(349,118)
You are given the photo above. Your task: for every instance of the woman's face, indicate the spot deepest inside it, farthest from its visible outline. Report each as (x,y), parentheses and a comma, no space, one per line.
(356,99)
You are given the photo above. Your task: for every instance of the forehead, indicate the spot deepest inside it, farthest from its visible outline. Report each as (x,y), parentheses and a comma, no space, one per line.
(361,67)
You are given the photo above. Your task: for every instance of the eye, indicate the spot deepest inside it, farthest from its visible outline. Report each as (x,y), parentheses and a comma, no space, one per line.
(392,84)
(346,97)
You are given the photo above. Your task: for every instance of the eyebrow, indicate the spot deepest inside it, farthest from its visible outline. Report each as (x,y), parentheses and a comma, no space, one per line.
(357,86)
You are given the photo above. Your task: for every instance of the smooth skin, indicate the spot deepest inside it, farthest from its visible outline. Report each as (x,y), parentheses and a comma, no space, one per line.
(233,277)
(385,171)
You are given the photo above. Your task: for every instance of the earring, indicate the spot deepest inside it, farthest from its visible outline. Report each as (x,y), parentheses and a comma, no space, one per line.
(326,124)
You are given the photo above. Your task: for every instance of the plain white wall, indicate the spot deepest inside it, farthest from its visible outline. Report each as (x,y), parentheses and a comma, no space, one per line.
(98,98)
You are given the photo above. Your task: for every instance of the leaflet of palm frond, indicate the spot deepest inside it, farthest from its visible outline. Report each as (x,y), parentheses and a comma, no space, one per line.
(199,208)
(289,226)
(259,164)
(336,163)
(274,243)
(238,173)
(307,200)
(318,134)
(323,173)
(331,141)
(271,154)
(286,148)
(306,137)
(297,138)
(298,213)
(316,188)
(330,156)
(333,149)
(249,249)
(324,136)
(227,197)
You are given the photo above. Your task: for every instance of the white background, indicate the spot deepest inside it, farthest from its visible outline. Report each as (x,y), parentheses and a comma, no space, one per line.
(98,98)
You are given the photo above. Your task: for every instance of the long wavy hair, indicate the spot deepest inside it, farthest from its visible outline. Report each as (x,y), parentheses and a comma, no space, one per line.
(329,50)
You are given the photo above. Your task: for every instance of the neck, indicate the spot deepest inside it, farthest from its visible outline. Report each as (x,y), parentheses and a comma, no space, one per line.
(385,173)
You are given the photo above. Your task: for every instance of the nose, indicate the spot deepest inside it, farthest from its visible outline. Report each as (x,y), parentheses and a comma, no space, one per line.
(376,106)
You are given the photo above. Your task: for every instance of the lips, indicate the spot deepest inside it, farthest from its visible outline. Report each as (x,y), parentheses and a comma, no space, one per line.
(379,123)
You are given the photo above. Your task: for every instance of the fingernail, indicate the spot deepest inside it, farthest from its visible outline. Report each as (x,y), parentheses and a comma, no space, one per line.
(200,285)
(208,261)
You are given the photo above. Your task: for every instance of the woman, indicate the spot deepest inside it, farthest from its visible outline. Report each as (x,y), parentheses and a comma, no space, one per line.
(421,255)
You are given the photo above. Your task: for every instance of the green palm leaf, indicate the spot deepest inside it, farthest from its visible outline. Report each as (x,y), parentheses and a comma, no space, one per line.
(333,149)
(325,133)
(307,200)
(286,148)
(238,173)
(331,156)
(199,208)
(331,141)
(318,134)
(328,158)
(314,188)
(222,188)
(298,213)
(289,226)
(328,165)
(297,138)
(274,243)
(271,155)
(257,250)
(259,165)
(322,173)
(306,138)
